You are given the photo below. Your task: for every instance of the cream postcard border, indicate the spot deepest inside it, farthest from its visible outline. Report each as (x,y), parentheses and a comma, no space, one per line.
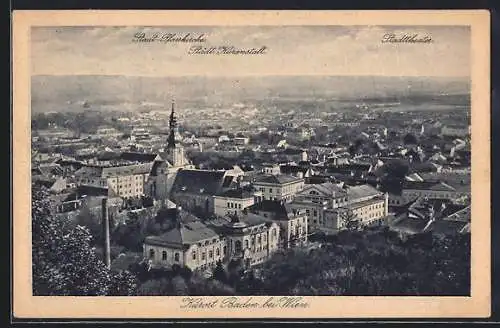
(478,305)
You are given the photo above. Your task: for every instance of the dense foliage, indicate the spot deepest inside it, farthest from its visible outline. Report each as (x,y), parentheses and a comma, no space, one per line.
(376,262)
(64,262)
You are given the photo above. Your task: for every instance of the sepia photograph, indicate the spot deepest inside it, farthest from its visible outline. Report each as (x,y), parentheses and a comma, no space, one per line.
(256,164)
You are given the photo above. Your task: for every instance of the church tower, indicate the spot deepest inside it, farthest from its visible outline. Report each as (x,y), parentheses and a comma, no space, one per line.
(174,147)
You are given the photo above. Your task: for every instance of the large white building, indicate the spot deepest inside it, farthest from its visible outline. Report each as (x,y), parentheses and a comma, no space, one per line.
(233,201)
(189,242)
(124,181)
(315,199)
(327,205)
(278,187)
(431,189)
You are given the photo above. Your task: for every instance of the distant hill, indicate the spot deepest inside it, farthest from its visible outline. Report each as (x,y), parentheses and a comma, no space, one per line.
(75,93)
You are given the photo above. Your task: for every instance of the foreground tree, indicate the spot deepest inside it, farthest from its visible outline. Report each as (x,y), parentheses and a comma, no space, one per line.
(374,262)
(350,221)
(64,262)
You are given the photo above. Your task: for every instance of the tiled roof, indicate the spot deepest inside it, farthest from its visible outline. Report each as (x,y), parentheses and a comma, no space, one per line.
(187,230)
(411,225)
(364,203)
(292,169)
(89,171)
(92,190)
(239,193)
(362,191)
(458,213)
(427,185)
(446,227)
(277,209)
(292,151)
(360,167)
(108,155)
(51,169)
(140,157)
(328,188)
(459,181)
(199,181)
(127,170)
(252,219)
(277,179)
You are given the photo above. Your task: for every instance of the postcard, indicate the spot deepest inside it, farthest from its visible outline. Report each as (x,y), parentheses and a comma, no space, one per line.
(251,164)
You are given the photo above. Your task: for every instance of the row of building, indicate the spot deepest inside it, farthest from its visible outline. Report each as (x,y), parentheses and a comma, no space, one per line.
(228,214)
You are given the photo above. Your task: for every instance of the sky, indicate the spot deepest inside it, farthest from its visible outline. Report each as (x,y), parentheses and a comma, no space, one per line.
(291,50)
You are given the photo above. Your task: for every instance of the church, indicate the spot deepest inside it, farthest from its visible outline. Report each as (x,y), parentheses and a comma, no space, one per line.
(168,163)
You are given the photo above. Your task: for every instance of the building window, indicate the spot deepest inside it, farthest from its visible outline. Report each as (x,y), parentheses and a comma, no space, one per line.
(224,250)
(210,254)
(237,246)
(194,255)
(203,256)
(246,243)
(264,238)
(151,253)
(270,190)
(239,206)
(217,252)
(228,205)
(258,240)
(164,255)
(176,257)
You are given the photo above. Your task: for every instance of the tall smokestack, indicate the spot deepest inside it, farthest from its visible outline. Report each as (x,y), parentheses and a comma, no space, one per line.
(105,222)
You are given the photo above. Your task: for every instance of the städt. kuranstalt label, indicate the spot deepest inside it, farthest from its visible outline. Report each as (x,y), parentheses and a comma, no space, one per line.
(226,50)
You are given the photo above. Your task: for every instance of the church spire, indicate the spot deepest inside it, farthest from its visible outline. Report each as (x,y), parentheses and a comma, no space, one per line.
(173,119)
(173,127)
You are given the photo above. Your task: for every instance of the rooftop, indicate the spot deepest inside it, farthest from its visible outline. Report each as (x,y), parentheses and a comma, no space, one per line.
(127,170)
(187,230)
(201,181)
(277,179)
(279,210)
(447,227)
(427,185)
(239,193)
(362,191)
(365,203)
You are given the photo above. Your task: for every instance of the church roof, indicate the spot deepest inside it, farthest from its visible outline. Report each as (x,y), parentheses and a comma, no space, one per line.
(200,181)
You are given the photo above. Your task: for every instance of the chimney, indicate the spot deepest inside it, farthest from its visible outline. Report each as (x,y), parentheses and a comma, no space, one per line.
(105,223)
